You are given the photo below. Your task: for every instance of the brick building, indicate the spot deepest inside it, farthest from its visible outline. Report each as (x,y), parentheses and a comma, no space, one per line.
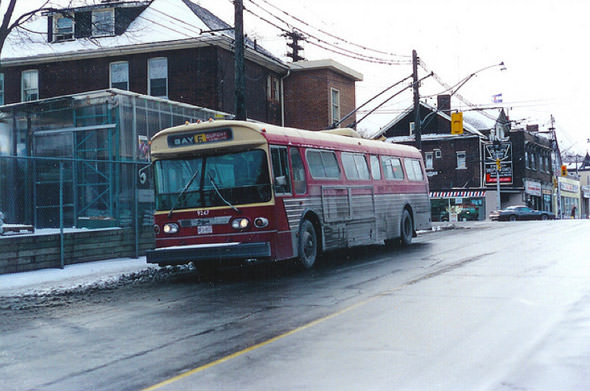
(462,168)
(142,47)
(172,49)
(319,94)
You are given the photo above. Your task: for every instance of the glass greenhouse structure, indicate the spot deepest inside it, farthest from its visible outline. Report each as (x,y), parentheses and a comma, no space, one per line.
(79,160)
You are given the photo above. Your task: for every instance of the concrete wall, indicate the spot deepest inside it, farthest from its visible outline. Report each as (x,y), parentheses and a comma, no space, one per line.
(20,253)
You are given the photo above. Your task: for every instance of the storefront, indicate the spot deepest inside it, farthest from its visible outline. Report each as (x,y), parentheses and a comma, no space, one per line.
(533,194)
(457,205)
(569,192)
(585,202)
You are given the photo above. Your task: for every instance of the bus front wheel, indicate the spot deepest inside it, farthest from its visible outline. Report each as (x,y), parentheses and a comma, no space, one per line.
(308,245)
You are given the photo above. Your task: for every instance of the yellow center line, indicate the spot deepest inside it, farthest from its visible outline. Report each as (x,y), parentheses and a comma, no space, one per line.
(271,340)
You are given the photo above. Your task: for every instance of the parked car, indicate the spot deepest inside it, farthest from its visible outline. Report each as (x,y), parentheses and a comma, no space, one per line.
(520,212)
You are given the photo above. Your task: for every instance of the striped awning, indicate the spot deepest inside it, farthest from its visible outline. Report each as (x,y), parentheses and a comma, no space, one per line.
(457,194)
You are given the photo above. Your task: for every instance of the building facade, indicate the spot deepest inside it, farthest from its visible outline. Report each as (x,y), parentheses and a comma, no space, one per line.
(172,49)
(118,45)
(319,94)
(464,169)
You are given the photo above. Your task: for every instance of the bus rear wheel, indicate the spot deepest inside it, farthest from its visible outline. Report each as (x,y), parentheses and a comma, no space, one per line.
(406,228)
(308,245)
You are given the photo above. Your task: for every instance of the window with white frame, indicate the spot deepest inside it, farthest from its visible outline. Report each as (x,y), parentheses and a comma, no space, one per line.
(120,75)
(103,22)
(335,105)
(429,160)
(63,27)
(277,89)
(1,89)
(269,88)
(437,153)
(30,85)
(158,77)
(461,160)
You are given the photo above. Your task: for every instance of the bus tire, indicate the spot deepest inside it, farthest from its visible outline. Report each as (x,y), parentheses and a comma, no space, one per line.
(307,245)
(406,228)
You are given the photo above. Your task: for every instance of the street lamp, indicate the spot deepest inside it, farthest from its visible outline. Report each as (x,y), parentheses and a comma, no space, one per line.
(460,84)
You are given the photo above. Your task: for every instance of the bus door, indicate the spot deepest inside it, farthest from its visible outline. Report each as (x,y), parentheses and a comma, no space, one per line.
(282,189)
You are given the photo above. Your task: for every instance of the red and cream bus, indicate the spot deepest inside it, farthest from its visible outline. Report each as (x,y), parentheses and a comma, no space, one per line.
(242,191)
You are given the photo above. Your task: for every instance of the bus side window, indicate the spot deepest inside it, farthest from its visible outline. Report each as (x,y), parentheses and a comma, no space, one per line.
(299,182)
(280,169)
(392,168)
(375,170)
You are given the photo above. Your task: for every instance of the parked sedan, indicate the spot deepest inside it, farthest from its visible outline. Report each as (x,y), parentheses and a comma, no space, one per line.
(520,212)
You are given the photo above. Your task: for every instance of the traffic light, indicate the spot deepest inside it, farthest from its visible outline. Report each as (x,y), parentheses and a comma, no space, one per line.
(498,165)
(563,170)
(457,123)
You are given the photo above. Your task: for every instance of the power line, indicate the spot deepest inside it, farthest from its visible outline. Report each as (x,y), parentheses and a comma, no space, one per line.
(328,33)
(320,42)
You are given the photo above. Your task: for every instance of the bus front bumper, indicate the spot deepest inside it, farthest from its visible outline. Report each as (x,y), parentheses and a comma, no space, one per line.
(178,255)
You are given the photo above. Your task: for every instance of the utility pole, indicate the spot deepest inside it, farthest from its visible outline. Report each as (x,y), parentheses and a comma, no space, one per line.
(294,37)
(415,84)
(239,79)
(558,162)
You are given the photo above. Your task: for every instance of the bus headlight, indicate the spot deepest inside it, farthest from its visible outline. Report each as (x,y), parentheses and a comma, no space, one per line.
(240,224)
(261,222)
(170,228)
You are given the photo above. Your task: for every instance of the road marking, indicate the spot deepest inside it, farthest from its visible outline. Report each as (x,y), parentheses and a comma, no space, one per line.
(376,296)
(267,342)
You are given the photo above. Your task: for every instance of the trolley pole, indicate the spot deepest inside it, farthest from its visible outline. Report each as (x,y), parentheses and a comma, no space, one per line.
(240,79)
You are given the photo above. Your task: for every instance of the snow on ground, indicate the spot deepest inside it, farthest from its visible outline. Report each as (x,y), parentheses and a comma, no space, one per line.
(75,276)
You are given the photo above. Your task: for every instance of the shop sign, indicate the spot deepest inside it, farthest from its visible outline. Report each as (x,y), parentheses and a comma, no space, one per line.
(503,152)
(533,188)
(569,187)
(586,191)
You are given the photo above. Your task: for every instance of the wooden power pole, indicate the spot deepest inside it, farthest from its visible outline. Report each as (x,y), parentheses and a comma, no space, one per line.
(416,85)
(240,79)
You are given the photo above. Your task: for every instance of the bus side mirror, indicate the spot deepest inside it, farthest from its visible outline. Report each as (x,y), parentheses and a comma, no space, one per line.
(141,174)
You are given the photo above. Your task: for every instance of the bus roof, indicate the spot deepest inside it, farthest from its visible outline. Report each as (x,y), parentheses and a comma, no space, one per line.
(257,134)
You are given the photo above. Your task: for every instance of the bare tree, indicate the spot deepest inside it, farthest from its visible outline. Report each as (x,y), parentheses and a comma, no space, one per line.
(10,20)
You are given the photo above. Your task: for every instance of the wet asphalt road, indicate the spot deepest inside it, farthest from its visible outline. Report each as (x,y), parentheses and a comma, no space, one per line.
(498,306)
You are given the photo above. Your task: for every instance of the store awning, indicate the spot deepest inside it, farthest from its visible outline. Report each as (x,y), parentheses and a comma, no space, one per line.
(457,194)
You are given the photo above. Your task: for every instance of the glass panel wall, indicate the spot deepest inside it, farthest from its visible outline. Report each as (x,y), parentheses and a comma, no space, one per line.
(101,139)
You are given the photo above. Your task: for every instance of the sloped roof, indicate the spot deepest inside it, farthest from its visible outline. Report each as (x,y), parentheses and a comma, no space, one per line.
(163,24)
(471,123)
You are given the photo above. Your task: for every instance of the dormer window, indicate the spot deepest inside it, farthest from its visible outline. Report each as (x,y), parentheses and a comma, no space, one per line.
(103,22)
(63,28)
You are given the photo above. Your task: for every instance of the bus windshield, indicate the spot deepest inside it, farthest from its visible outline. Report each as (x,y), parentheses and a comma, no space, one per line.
(218,180)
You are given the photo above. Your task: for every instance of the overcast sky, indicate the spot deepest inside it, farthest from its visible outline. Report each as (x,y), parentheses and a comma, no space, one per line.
(542,43)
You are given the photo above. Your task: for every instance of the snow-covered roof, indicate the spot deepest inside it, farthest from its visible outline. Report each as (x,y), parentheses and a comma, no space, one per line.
(429,137)
(163,24)
(472,123)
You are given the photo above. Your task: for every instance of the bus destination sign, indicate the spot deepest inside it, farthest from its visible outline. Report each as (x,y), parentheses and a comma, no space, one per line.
(195,138)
